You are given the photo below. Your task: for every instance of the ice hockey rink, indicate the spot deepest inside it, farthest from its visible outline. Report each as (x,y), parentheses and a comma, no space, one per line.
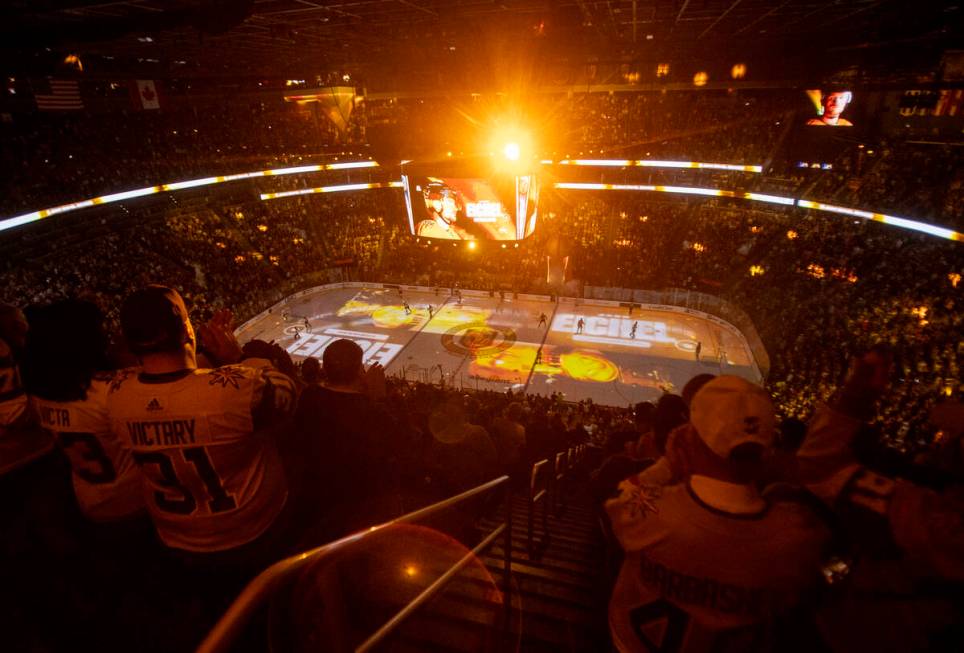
(469,339)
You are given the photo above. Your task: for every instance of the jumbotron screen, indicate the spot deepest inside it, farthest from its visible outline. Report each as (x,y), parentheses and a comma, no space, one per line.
(829,105)
(462,207)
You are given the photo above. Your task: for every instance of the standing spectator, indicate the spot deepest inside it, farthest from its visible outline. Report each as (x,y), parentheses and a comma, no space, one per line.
(20,441)
(67,375)
(347,441)
(907,539)
(34,503)
(510,439)
(762,554)
(462,454)
(214,480)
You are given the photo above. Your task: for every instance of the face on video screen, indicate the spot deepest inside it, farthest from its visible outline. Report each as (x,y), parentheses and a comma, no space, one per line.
(460,209)
(829,106)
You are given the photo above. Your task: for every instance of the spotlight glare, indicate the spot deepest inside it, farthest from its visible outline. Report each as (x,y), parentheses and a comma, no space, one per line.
(471,244)
(512,151)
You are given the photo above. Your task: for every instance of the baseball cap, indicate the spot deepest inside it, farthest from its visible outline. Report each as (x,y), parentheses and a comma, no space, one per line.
(154,319)
(729,411)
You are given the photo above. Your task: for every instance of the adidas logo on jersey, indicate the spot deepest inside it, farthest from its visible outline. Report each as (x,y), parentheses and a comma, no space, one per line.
(154,405)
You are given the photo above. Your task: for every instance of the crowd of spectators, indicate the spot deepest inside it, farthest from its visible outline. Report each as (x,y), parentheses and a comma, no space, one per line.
(240,255)
(53,159)
(819,290)
(918,180)
(350,448)
(824,276)
(814,281)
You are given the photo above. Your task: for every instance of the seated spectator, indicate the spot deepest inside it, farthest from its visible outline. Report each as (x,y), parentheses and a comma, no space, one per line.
(762,555)
(214,480)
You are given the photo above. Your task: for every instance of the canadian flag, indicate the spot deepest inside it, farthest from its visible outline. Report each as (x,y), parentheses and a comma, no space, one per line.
(147,93)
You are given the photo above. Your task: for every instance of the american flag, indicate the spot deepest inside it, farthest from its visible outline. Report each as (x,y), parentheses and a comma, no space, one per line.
(64,95)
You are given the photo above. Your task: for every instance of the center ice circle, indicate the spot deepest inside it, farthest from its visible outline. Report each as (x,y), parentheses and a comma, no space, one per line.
(477,339)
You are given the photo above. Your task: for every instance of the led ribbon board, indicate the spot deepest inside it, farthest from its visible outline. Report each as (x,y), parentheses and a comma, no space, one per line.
(903,223)
(26,218)
(329,189)
(652,163)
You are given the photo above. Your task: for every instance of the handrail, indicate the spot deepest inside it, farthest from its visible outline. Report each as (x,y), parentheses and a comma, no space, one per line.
(558,479)
(427,593)
(228,627)
(534,498)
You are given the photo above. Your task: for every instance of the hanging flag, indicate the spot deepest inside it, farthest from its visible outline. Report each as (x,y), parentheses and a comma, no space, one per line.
(147,94)
(336,102)
(58,95)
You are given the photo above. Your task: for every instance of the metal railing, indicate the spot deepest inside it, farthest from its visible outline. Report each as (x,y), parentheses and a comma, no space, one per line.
(540,470)
(559,471)
(227,629)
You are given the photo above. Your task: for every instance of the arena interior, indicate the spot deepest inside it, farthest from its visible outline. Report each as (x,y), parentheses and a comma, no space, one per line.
(460,326)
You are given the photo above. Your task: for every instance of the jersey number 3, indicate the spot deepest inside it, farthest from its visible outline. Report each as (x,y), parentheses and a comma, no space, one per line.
(88,457)
(219,499)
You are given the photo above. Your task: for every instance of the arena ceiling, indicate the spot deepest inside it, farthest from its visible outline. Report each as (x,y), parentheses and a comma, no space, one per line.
(292,37)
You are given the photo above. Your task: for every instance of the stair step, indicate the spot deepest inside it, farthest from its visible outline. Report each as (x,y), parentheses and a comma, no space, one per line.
(550,563)
(584,583)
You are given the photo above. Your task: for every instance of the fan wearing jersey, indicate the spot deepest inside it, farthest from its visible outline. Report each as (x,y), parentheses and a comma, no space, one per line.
(710,561)
(203,438)
(907,539)
(20,441)
(67,376)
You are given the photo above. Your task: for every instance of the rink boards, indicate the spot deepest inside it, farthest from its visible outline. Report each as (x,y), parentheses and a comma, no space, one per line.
(583,349)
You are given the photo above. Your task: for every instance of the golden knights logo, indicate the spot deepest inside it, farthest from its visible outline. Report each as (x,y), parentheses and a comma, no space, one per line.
(118,380)
(641,499)
(478,339)
(225,376)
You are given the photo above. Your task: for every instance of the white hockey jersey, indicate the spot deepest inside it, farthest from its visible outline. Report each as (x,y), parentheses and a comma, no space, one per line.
(20,439)
(214,480)
(106,481)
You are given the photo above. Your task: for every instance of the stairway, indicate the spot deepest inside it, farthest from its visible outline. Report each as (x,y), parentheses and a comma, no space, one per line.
(556,601)
(558,595)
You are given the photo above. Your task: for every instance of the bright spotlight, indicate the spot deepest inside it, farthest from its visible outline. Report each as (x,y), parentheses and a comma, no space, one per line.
(471,244)
(512,151)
